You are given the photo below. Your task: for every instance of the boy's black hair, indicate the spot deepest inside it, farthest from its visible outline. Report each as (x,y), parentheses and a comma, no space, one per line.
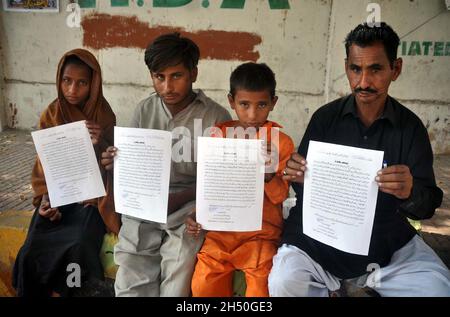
(75,60)
(170,50)
(253,77)
(364,35)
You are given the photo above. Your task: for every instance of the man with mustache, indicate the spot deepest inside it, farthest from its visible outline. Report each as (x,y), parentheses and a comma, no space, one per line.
(368,118)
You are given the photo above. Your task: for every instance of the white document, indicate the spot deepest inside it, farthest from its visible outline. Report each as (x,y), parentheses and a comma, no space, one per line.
(230,184)
(142,172)
(70,166)
(340,195)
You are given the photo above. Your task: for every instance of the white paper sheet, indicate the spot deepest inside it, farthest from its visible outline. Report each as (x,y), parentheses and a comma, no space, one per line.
(340,195)
(70,167)
(230,184)
(142,172)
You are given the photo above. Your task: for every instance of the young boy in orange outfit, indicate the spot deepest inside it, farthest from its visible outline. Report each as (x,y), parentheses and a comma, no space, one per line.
(252,96)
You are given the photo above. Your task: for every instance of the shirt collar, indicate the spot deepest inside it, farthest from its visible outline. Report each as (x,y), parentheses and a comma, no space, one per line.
(201,97)
(272,124)
(388,113)
(268,124)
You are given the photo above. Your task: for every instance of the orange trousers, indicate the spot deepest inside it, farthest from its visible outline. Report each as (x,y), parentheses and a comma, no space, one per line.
(213,275)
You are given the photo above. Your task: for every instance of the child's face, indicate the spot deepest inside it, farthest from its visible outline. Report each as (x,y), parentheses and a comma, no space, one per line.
(252,107)
(76,84)
(174,84)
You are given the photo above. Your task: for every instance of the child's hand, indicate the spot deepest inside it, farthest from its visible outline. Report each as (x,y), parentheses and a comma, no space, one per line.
(45,211)
(108,158)
(270,154)
(192,227)
(268,177)
(95,131)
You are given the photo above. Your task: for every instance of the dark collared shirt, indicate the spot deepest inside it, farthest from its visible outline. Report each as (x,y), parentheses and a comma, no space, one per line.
(404,140)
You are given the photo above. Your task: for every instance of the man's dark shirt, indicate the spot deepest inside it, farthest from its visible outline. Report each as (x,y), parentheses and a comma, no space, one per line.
(404,140)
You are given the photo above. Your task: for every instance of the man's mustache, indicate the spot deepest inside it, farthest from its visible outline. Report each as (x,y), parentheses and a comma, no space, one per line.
(370,90)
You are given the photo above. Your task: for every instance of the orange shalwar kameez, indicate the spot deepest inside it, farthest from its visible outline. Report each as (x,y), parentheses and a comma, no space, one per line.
(251,252)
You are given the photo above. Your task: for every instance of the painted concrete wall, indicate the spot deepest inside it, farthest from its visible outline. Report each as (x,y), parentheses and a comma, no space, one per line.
(2,83)
(303,44)
(424,85)
(2,110)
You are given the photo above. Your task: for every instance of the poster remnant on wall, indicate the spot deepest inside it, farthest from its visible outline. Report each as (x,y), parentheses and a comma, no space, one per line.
(31,5)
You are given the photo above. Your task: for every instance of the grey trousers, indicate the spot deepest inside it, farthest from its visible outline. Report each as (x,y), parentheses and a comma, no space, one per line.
(414,270)
(153,259)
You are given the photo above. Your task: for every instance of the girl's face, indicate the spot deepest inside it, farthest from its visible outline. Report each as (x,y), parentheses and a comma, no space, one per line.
(76,84)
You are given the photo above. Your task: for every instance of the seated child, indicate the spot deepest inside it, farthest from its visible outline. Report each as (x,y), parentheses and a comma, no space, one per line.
(157,259)
(252,96)
(72,233)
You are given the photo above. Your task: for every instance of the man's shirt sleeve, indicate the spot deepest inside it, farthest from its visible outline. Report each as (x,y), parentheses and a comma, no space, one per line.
(425,195)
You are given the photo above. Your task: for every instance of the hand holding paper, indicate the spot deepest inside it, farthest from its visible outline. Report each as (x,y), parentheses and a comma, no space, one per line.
(340,195)
(395,180)
(69,162)
(230,184)
(142,172)
(295,169)
(46,211)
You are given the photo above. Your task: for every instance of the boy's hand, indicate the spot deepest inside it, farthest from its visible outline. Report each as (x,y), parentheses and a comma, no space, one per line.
(45,211)
(268,177)
(192,227)
(108,158)
(269,152)
(95,131)
(395,180)
(295,169)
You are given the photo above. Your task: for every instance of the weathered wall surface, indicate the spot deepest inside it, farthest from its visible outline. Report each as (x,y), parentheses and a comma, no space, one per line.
(2,82)
(301,40)
(2,110)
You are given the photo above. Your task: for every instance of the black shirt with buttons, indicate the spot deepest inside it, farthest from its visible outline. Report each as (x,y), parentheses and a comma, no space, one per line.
(404,139)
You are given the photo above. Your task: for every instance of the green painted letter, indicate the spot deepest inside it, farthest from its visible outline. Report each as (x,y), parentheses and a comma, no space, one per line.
(426,47)
(170,3)
(87,3)
(119,3)
(279,4)
(232,4)
(239,4)
(438,48)
(414,49)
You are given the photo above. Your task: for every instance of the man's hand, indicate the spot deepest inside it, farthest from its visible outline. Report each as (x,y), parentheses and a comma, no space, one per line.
(395,180)
(45,211)
(295,169)
(95,131)
(192,227)
(108,158)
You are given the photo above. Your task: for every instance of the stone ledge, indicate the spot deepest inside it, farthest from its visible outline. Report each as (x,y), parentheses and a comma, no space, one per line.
(13,231)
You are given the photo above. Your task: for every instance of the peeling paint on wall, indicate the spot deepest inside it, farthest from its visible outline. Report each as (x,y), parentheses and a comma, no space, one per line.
(107,31)
(12,116)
